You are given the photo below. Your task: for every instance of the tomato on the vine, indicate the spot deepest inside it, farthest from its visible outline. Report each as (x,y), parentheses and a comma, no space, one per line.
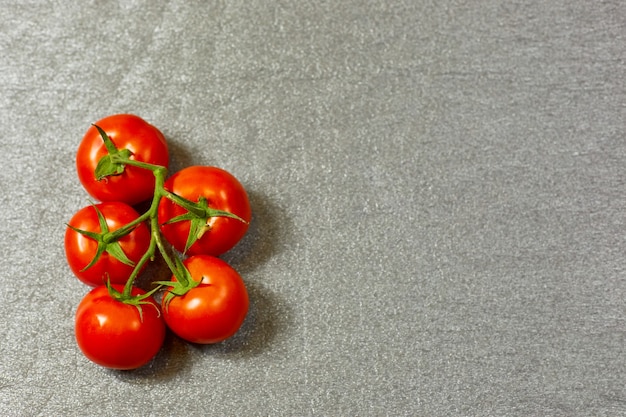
(220,190)
(212,311)
(145,143)
(81,249)
(118,335)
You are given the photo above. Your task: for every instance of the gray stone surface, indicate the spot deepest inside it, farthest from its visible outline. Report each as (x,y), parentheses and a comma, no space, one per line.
(439,195)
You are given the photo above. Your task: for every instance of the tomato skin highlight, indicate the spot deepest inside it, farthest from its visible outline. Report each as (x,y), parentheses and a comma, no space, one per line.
(223,192)
(80,249)
(127,131)
(214,310)
(113,334)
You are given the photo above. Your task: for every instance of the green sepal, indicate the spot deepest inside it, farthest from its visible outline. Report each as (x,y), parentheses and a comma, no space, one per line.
(197,228)
(110,164)
(92,235)
(115,250)
(187,216)
(106,168)
(198,223)
(136,301)
(112,247)
(99,250)
(181,286)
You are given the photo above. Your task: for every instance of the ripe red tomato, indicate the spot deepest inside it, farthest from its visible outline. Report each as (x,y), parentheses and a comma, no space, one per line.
(222,192)
(214,310)
(80,249)
(127,131)
(114,334)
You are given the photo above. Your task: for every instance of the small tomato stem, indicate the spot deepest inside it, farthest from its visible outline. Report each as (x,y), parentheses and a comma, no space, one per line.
(131,279)
(159,192)
(151,213)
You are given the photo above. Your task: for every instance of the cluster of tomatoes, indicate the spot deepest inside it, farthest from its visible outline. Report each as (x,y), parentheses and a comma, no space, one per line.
(194,215)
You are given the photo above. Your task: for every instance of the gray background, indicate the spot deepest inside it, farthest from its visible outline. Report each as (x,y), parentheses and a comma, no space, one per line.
(438,192)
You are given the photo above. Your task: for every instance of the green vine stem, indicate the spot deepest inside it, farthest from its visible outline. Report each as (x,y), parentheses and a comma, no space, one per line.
(113,164)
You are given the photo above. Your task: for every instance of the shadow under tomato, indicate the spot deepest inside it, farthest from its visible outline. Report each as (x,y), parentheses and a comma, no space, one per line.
(268,318)
(269,232)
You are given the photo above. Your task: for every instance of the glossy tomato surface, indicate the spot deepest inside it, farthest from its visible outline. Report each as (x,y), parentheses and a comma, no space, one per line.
(214,310)
(115,335)
(223,192)
(81,249)
(127,131)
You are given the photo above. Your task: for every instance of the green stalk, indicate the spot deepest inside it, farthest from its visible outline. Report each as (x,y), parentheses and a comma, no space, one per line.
(159,192)
(113,164)
(156,240)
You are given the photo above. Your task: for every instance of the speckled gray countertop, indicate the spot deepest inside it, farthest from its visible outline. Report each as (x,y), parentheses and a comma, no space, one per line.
(438,188)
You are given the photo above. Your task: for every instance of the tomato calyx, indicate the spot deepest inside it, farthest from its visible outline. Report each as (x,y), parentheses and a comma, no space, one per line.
(136,301)
(199,216)
(182,284)
(107,241)
(114,162)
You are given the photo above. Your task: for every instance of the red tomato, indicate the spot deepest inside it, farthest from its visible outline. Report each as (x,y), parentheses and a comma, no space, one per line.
(80,249)
(127,131)
(223,192)
(214,310)
(114,334)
